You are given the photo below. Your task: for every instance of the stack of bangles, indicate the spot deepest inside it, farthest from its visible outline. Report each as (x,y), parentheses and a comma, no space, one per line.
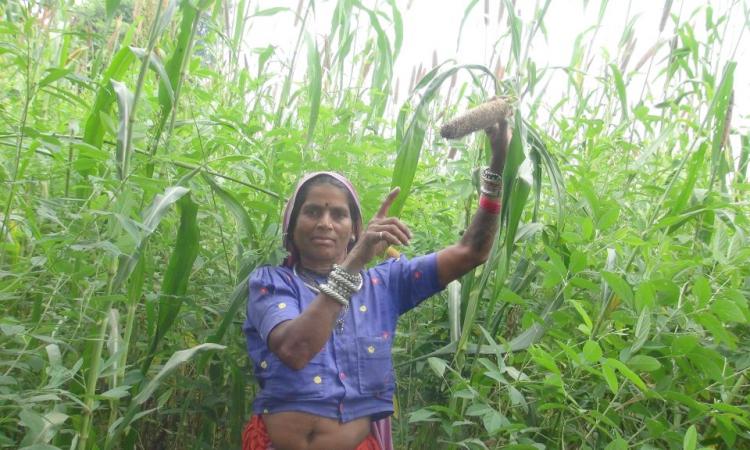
(491,188)
(341,285)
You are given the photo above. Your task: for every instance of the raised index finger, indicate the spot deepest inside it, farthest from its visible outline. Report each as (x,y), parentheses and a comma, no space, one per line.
(383,211)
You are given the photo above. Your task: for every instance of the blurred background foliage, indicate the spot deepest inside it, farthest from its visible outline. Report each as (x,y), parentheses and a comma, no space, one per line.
(147,151)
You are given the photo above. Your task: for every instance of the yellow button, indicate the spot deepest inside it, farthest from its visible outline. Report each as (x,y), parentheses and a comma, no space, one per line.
(371,349)
(263,365)
(282,305)
(317,379)
(363,308)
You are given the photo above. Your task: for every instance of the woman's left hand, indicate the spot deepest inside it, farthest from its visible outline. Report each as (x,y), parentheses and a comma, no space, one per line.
(380,232)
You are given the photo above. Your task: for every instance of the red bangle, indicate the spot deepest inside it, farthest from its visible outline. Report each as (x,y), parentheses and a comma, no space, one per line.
(490,205)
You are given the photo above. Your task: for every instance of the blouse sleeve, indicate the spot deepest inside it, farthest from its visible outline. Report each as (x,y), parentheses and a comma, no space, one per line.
(414,280)
(272,299)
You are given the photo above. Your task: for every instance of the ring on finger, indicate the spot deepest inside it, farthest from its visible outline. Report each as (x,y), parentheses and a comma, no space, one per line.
(380,236)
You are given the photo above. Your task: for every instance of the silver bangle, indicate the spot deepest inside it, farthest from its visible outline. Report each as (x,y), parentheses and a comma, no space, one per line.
(492,177)
(346,283)
(332,293)
(353,278)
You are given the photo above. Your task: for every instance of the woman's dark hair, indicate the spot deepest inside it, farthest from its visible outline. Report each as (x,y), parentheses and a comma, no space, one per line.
(318,181)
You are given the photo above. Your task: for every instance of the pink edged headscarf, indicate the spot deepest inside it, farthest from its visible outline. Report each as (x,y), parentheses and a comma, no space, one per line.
(287,236)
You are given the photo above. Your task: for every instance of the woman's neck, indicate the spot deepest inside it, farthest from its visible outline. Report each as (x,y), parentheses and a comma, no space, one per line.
(318,267)
(318,271)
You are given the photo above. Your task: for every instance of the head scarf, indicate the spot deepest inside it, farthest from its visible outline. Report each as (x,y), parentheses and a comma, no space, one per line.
(288,238)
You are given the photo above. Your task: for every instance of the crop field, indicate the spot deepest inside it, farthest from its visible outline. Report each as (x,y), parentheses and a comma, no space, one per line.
(147,148)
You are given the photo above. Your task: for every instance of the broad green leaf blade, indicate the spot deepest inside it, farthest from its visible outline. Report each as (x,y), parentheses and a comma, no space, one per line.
(177,275)
(94,129)
(159,207)
(627,373)
(454,309)
(134,412)
(54,75)
(125,108)
(720,110)
(621,91)
(165,17)
(410,146)
(151,218)
(244,222)
(177,62)
(515,31)
(690,441)
(467,11)
(314,80)
(157,66)
(237,300)
(618,285)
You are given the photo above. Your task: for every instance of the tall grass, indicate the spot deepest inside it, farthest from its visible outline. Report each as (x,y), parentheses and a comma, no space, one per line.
(148,147)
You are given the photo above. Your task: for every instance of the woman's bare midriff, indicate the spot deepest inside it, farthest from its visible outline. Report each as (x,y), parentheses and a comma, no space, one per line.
(302,431)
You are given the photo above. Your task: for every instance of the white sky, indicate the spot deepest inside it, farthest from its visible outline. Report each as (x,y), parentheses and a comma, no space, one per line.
(433,25)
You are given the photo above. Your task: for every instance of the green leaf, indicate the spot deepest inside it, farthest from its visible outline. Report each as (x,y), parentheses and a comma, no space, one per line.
(467,11)
(423,415)
(244,222)
(617,444)
(152,216)
(175,66)
(683,345)
(582,312)
(493,421)
(437,365)
(627,373)
(515,31)
(314,80)
(165,17)
(544,359)
(702,290)
(720,110)
(642,328)
(177,359)
(125,107)
(618,285)
(410,141)
(644,363)
(177,275)
(727,310)
(690,440)
(621,92)
(717,329)
(155,63)
(54,75)
(591,351)
(644,296)
(116,393)
(609,376)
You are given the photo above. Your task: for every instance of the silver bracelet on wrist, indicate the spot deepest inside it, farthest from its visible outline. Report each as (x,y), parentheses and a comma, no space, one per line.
(491,184)
(331,292)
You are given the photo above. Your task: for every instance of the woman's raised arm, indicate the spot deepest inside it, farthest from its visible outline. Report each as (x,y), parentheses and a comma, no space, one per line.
(474,247)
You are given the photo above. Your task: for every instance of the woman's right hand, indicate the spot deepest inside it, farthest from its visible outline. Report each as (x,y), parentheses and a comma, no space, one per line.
(380,232)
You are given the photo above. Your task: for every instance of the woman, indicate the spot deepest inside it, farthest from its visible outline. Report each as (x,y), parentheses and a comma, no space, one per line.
(320,327)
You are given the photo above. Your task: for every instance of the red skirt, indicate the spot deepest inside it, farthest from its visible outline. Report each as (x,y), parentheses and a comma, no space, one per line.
(255,437)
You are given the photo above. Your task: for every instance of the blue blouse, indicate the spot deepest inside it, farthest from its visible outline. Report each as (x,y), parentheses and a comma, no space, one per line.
(352,376)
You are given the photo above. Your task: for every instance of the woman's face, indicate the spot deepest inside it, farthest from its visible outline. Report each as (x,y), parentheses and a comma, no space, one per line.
(323,228)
